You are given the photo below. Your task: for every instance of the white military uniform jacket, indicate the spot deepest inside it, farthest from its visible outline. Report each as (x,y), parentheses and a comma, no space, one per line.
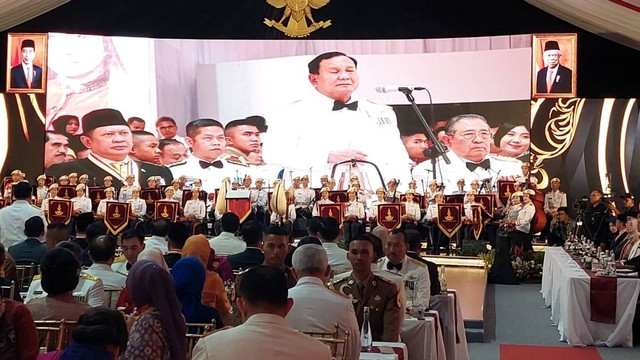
(354,208)
(415,275)
(120,265)
(303,197)
(337,257)
(41,193)
(90,290)
(125,193)
(317,308)
(102,206)
(412,208)
(316,209)
(196,208)
(451,173)
(12,219)
(553,200)
(374,208)
(292,142)
(138,206)
(523,221)
(258,198)
(110,278)
(82,203)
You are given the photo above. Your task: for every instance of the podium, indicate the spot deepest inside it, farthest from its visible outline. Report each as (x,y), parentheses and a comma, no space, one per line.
(239,203)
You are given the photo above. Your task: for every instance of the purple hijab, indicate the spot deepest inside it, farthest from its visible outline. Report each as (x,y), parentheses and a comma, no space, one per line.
(150,284)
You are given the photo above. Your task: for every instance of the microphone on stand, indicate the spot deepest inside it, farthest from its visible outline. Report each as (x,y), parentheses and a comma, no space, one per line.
(384,89)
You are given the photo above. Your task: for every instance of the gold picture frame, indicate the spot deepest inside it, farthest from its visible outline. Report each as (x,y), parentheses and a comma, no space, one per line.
(560,49)
(26,54)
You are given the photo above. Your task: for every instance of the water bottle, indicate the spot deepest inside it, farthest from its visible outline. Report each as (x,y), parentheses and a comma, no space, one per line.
(443,279)
(365,333)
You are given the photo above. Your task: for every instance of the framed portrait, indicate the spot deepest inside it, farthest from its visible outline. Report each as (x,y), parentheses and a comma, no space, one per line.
(26,62)
(554,65)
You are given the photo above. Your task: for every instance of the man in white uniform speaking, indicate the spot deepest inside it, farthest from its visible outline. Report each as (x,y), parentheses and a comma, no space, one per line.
(331,124)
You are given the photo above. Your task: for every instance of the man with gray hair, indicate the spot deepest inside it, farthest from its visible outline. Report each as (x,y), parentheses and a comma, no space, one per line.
(314,306)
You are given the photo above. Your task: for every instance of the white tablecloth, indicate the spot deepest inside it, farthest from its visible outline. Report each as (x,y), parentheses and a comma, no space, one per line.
(376,356)
(566,289)
(393,345)
(423,341)
(447,307)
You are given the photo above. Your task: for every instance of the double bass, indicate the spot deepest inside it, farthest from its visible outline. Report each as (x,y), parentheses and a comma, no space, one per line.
(539,218)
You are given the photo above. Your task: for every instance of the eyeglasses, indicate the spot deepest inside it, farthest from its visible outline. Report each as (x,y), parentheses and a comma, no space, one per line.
(469,136)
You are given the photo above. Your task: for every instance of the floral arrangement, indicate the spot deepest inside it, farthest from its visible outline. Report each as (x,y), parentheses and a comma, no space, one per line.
(488,258)
(527,270)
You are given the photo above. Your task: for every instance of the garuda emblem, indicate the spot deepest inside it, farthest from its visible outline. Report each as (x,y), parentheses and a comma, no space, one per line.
(298,11)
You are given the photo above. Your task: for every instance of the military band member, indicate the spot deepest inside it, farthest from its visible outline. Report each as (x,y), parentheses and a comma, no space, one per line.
(138,206)
(324,181)
(177,191)
(168,196)
(380,199)
(41,190)
(304,198)
(324,199)
(73,179)
(125,190)
(81,203)
(353,213)
(152,182)
(521,235)
(417,284)
(552,201)
(246,182)
(107,181)
(364,288)
(413,185)
(259,198)
(53,194)
(431,220)
(194,208)
(475,186)
(411,208)
(63,180)
(460,187)
(331,184)
(393,195)
(288,219)
(432,191)
(102,205)
(362,198)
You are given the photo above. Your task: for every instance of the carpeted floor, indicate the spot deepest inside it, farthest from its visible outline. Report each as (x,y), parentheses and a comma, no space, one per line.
(515,315)
(536,352)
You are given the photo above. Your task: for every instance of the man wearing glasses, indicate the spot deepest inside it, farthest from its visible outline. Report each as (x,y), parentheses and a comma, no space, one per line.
(469,138)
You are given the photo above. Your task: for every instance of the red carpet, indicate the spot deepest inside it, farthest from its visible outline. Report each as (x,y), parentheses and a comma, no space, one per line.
(529,352)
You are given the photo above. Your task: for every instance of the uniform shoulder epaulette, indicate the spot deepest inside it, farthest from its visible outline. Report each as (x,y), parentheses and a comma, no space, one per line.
(177,164)
(388,281)
(35,207)
(119,259)
(37,277)
(417,262)
(121,273)
(89,277)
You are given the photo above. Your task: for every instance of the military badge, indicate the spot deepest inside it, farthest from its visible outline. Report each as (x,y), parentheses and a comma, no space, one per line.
(298,12)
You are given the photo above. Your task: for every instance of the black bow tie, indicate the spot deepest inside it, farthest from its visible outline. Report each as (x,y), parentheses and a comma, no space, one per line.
(391,266)
(128,266)
(485,164)
(216,164)
(339,105)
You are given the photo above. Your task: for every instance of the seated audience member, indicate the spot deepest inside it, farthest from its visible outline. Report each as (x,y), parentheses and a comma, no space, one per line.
(213,293)
(368,289)
(252,235)
(101,334)
(227,243)
(159,231)
(415,274)
(132,244)
(380,232)
(619,241)
(176,237)
(59,270)
(415,245)
(314,306)
(103,251)
(82,223)
(4,281)
(189,276)
(329,235)
(18,335)
(124,300)
(633,239)
(561,227)
(32,249)
(275,246)
(55,234)
(95,229)
(263,303)
(160,330)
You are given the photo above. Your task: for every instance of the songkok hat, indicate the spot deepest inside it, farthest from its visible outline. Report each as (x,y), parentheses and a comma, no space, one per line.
(551,45)
(54,185)
(110,188)
(555,179)
(632,213)
(622,218)
(41,177)
(107,178)
(28,43)
(80,187)
(102,117)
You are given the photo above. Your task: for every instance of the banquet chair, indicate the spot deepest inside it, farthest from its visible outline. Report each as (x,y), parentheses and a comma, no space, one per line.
(333,340)
(111,297)
(24,275)
(54,334)
(196,331)
(8,291)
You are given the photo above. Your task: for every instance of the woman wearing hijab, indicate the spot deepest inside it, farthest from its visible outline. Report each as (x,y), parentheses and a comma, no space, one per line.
(160,330)
(189,274)
(214,293)
(125,302)
(66,125)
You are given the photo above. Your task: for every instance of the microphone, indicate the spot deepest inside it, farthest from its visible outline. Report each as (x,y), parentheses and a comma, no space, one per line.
(383,89)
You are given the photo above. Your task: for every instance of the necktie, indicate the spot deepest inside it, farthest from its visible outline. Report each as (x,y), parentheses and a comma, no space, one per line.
(391,266)
(339,105)
(216,164)
(485,164)
(549,79)
(120,168)
(361,289)
(29,77)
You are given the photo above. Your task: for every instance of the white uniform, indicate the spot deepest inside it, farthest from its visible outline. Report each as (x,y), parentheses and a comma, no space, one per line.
(227,244)
(432,212)
(337,257)
(354,208)
(291,215)
(138,206)
(82,203)
(303,197)
(177,195)
(102,206)
(45,204)
(12,220)
(316,209)
(258,198)
(374,208)
(317,308)
(110,278)
(125,193)
(523,221)
(157,242)
(41,193)
(553,200)
(292,142)
(195,208)
(506,167)
(120,265)
(247,341)
(413,209)
(415,275)
(90,290)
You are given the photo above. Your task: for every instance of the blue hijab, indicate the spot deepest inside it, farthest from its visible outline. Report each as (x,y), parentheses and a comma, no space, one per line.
(189,275)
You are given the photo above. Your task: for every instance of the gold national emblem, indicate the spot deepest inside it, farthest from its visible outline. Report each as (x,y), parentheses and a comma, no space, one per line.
(297,11)
(448,217)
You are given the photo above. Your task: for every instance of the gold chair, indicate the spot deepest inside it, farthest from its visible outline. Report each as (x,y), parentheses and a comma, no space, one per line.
(24,275)
(195,332)
(54,334)
(9,291)
(333,340)
(111,297)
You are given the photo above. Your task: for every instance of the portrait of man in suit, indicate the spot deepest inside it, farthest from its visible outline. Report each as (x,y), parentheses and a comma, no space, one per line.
(27,75)
(555,79)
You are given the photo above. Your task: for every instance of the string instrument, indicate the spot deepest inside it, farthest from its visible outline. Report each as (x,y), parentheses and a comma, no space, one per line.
(539,218)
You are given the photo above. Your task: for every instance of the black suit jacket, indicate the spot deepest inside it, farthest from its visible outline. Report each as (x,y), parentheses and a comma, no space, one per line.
(250,257)
(86,166)
(19,80)
(30,250)
(433,272)
(561,84)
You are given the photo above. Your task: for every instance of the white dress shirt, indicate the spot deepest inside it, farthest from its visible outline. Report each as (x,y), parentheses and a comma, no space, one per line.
(138,206)
(12,219)
(82,203)
(195,208)
(227,244)
(354,208)
(157,242)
